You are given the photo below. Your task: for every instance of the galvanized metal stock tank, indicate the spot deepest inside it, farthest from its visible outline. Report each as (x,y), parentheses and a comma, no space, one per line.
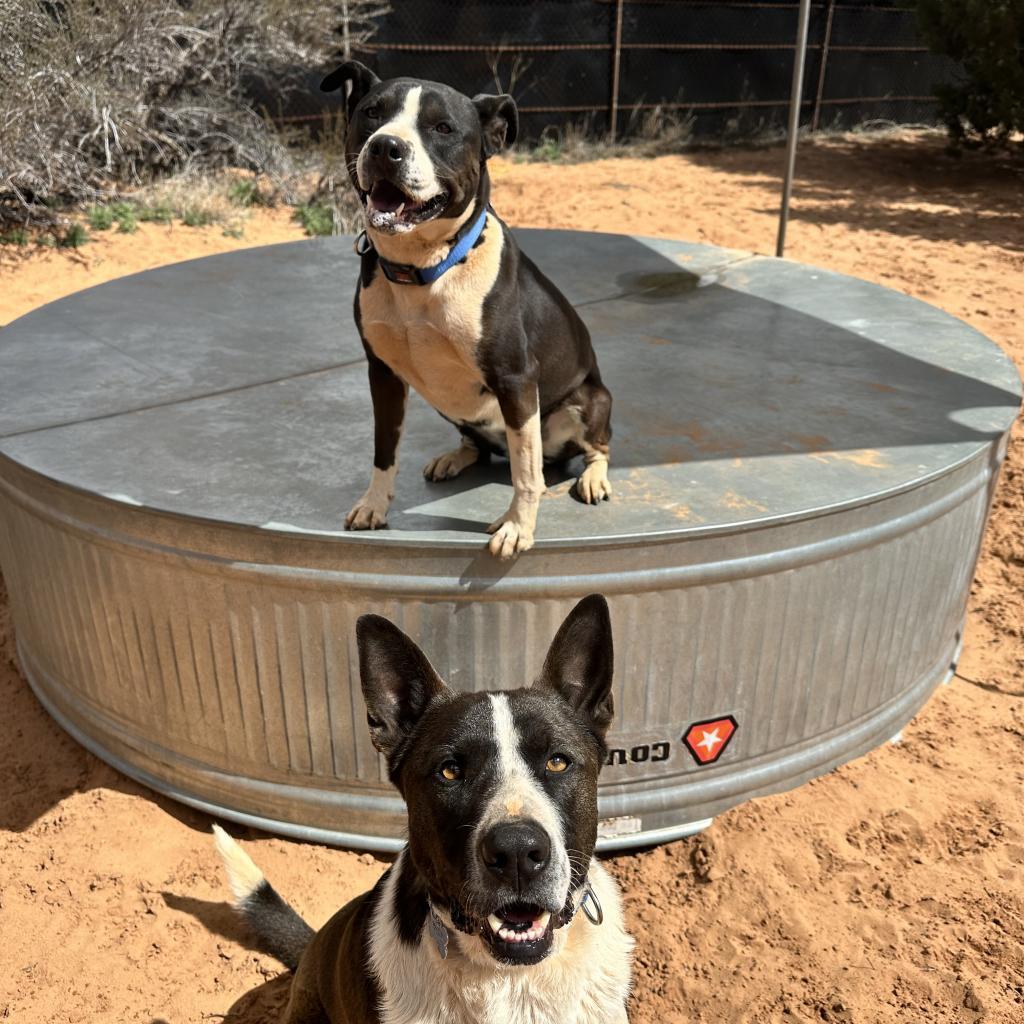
(803,463)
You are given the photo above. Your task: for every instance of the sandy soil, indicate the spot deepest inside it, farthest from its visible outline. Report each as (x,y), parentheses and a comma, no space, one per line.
(891,890)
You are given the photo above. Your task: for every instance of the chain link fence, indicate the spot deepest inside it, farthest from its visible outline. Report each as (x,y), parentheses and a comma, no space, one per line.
(605,63)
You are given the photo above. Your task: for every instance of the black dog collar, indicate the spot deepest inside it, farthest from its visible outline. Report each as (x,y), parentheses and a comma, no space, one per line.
(406,273)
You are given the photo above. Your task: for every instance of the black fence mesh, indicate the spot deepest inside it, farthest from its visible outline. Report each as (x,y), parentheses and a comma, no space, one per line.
(725,65)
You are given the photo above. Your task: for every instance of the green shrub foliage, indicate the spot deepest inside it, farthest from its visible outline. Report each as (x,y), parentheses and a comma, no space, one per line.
(987,38)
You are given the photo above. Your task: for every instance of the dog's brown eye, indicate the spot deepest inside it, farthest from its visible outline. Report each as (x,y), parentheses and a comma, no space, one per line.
(373,113)
(451,772)
(557,763)
(443,127)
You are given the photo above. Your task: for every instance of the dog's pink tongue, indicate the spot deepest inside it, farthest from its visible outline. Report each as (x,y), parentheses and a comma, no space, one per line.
(386,197)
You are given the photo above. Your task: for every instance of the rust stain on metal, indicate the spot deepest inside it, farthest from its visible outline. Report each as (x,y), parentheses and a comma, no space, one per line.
(685,512)
(640,486)
(702,440)
(738,503)
(813,442)
(674,454)
(867,457)
(695,432)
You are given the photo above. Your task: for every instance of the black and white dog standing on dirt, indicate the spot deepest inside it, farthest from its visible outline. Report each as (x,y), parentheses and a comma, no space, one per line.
(496,911)
(448,304)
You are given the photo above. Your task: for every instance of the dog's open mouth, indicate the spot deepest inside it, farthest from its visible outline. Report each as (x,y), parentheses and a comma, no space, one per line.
(389,209)
(519,933)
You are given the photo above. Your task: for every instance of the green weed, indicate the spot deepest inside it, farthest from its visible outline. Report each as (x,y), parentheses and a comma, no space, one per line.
(193,217)
(550,149)
(243,192)
(155,213)
(101,218)
(124,215)
(73,237)
(316,218)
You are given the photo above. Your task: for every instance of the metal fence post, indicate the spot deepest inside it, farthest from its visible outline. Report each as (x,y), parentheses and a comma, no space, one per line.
(346,37)
(826,42)
(613,112)
(799,57)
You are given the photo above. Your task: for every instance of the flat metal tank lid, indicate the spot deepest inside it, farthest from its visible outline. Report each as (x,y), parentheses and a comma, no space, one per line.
(747,390)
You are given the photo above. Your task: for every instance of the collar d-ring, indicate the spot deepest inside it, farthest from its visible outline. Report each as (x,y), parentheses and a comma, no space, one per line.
(591,906)
(362,244)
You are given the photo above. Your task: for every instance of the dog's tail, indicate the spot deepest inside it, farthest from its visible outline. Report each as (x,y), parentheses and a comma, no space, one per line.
(278,929)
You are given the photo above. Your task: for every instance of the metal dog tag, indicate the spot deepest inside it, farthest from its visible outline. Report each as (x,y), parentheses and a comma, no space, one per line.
(439,934)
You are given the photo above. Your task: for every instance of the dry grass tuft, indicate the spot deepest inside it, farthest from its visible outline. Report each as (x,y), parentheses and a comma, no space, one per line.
(653,132)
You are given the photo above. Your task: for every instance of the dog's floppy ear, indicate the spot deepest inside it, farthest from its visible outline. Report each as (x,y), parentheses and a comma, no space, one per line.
(580,663)
(361,77)
(398,682)
(499,121)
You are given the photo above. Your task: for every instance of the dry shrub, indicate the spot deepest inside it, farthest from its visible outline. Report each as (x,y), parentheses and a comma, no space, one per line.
(653,131)
(102,96)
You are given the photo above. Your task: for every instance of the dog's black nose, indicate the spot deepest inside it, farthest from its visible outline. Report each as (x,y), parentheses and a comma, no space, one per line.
(389,147)
(516,851)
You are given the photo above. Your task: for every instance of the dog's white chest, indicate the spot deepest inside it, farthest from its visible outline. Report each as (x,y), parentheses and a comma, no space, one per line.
(429,334)
(586,981)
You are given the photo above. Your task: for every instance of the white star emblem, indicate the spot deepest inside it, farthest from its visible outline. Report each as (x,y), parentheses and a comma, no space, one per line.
(710,741)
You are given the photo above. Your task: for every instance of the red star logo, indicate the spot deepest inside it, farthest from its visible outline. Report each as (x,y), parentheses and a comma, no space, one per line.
(707,740)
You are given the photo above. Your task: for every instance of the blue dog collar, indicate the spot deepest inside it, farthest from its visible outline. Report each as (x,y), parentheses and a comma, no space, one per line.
(404,273)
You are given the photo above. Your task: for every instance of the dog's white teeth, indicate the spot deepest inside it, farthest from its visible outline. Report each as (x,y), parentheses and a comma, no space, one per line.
(542,921)
(495,922)
(398,212)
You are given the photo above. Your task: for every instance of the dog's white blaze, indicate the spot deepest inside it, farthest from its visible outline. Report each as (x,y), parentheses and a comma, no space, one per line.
(518,794)
(422,183)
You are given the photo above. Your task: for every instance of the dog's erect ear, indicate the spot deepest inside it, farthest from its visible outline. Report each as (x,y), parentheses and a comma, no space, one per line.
(580,663)
(398,681)
(361,77)
(499,121)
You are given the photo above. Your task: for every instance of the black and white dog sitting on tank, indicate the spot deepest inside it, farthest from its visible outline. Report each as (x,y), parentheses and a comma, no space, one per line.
(449,305)
(496,911)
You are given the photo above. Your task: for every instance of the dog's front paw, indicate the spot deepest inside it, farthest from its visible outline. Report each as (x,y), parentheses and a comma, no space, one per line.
(367,515)
(593,484)
(450,464)
(511,537)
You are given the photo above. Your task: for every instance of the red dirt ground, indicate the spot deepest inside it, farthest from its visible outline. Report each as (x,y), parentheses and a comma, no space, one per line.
(891,890)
